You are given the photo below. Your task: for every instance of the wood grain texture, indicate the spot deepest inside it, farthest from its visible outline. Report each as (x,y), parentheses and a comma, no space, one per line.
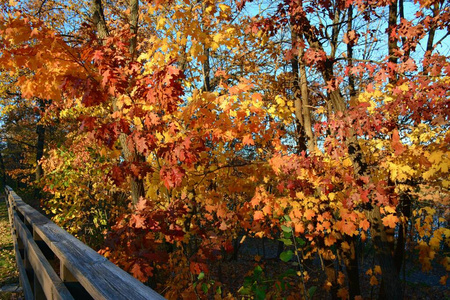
(24,282)
(101,278)
(50,282)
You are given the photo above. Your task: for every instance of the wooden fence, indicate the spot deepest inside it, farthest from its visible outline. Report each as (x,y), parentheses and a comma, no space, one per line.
(55,265)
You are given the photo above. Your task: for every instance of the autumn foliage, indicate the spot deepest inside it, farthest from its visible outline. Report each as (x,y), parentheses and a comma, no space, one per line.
(180,133)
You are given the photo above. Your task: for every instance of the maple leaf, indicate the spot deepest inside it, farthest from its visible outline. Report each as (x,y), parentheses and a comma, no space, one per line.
(342,293)
(172,177)
(141,271)
(97,55)
(223,226)
(330,240)
(377,270)
(248,140)
(443,280)
(390,221)
(309,214)
(396,144)
(198,267)
(364,224)
(351,37)
(373,280)
(349,228)
(258,215)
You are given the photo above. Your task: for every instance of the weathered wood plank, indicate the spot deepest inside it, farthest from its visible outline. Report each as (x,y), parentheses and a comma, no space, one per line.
(101,278)
(24,282)
(30,214)
(51,284)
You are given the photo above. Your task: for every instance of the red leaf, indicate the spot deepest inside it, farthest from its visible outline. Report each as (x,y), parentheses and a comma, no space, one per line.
(172,177)
(396,143)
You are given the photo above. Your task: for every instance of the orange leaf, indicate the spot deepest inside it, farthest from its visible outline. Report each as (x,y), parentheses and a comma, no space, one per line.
(223,226)
(342,293)
(377,269)
(267,210)
(256,97)
(248,140)
(341,278)
(330,240)
(349,228)
(298,227)
(364,224)
(390,221)
(309,213)
(258,215)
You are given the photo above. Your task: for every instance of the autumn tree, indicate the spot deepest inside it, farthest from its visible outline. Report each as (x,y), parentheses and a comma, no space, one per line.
(326,39)
(190,126)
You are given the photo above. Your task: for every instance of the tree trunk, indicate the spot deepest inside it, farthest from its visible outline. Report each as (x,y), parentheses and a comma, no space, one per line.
(130,155)
(391,286)
(351,77)
(2,172)
(351,264)
(40,130)
(299,121)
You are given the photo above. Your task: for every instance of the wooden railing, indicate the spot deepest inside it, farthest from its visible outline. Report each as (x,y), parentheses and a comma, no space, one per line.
(55,265)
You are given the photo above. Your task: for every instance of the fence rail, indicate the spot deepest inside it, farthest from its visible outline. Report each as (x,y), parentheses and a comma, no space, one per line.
(55,265)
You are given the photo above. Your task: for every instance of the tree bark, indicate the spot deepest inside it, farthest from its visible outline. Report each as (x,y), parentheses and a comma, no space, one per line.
(130,155)
(351,264)
(40,144)
(299,121)
(351,77)
(40,130)
(2,172)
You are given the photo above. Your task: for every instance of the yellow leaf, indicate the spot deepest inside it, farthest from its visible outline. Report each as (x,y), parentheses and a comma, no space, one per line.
(347,162)
(224,7)
(161,23)
(404,87)
(373,280)
(280,101)
(218,37)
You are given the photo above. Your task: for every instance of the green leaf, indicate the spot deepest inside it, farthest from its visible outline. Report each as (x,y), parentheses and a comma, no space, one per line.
(311,291)
(286,242)
(205,288)
(201,276)
(260,293)
(286,255)
(301,242)
(288,273)
(245,290)
(286,229)
(257,272)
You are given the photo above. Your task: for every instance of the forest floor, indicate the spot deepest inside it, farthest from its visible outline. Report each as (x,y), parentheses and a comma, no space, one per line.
(9,280)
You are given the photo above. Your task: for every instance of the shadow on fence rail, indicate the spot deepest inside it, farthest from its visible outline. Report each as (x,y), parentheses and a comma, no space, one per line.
(55,265)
